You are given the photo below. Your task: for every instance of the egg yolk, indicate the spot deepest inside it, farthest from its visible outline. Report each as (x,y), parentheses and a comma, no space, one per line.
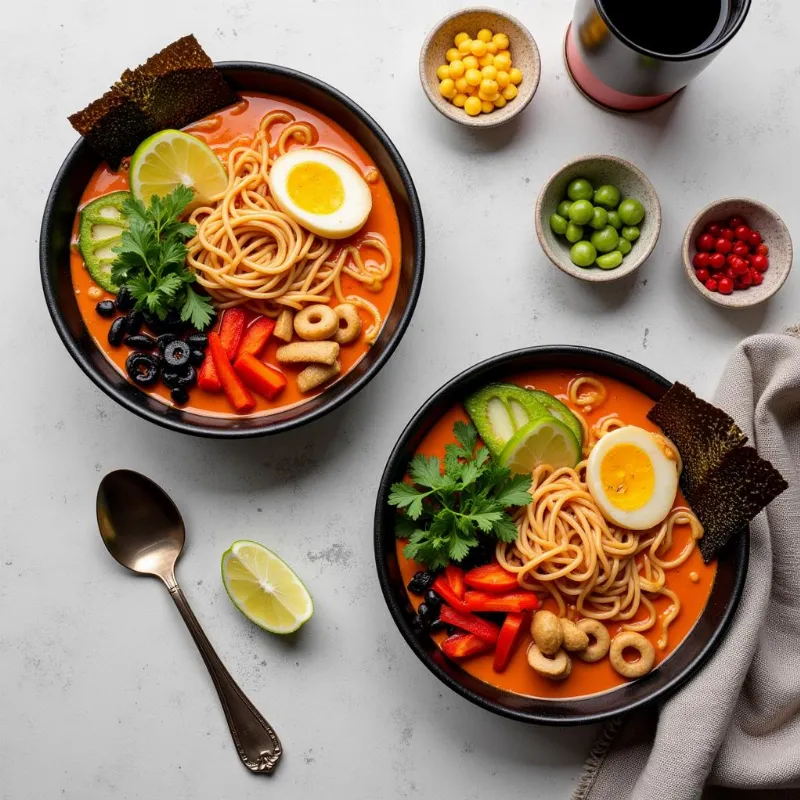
(315,188)
(627,475)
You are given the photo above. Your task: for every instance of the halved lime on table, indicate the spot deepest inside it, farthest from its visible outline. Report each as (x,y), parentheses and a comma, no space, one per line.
(173,158)
(265,588)
(542,441)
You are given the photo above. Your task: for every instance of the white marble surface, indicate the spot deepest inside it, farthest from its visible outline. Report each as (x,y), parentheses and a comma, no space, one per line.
(102,695)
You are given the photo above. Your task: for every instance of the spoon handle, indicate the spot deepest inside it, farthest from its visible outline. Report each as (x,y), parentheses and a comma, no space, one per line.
(256,742)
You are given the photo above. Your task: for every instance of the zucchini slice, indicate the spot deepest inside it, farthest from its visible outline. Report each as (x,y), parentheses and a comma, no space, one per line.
(101,227)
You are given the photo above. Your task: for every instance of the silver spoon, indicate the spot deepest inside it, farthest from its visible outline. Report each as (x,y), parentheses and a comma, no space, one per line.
(142,528)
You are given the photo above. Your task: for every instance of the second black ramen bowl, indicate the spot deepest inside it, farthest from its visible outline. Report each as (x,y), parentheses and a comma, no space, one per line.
(54,257)
(668,676)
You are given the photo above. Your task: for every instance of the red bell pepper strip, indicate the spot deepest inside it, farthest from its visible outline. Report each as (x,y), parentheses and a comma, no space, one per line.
(230,334)
(507,641)
(491,578)
(268,382)
(455,577)
(464,645)
(255,337)
(483,629)
(234,389)
(512,602)
(442,587)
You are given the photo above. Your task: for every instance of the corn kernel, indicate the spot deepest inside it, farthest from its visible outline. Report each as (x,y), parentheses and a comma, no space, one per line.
(489,72)
(501,40)
(487,60)
(503,63)
(478,48)
(443,72)
(489,87)
(456,69)
(515,76)
(502,79)
(470,62)
(485,35)
(487,106)
(447,88)
(464,47)
(472,106)
(491,47)
(460,99)
(462,86)
(510,92)
(473,77)
(461,37)
(499,101)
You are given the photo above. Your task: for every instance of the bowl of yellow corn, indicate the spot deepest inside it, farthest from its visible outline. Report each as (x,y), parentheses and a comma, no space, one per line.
(480,67)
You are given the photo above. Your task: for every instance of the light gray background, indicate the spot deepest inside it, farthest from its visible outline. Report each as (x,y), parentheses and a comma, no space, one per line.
(102,694)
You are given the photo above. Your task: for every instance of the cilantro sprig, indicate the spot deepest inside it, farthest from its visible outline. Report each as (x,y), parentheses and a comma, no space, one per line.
(446,506)
(151,258)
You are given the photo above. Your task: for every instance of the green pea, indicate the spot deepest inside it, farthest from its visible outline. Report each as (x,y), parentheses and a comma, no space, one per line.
(558,224)
(580,189)
(563,209)
(605,240)
(631,233)
(610,260)
(631,211)
(583,254)
(613,220)
(624,246)
(581,212)
(607,196)
(574,232)
(599,218)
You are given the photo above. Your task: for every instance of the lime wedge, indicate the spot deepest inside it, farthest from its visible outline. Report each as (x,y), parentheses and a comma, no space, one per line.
(560,412)
(170,158)
(543,441)
(264,588)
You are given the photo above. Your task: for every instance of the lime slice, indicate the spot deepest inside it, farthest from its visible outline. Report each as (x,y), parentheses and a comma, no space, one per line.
(560,412)
(543,441)
(170,158)
(264,588)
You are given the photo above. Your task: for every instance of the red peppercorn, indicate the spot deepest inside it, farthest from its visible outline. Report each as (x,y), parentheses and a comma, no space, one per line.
(742,233)
(714,229)
(760,263)
(729,273)
(757,278)
(735,222)
(739,266)
(712,285)
(702,275)
(762,249)
(723,246)
(716,261)
(726,233)
(746,279)
(741,249)
(725,286)
(700,260)
(705,242)
(754,238)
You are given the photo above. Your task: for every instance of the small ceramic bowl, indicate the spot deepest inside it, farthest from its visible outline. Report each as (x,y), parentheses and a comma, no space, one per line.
(524,56)
(599,170)
(772,229)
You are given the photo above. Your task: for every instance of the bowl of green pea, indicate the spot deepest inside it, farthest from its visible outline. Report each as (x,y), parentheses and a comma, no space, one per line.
(598,218)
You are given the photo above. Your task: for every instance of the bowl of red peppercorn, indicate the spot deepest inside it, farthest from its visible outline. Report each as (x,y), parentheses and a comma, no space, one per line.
(737,252)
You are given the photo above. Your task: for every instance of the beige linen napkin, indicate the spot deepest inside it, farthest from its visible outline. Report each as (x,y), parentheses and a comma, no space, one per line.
(734,730)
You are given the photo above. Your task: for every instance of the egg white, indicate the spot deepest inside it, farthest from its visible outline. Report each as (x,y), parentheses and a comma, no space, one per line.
(338,224)
(665,472)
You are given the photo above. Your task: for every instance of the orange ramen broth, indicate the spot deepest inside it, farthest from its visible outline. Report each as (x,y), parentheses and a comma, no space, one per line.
(382,221)
(585,679)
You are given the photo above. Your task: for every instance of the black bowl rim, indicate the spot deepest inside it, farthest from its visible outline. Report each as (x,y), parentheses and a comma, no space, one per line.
(176,424)
(382,519)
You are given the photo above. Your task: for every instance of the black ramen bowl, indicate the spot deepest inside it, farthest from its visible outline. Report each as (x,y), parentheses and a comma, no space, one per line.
(54,257)
(695,649)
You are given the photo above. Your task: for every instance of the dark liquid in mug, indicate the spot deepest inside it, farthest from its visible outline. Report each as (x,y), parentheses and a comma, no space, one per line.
(672,27)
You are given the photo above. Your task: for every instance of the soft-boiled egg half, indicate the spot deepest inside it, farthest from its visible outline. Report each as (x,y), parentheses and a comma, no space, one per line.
(632,475)
(321,191)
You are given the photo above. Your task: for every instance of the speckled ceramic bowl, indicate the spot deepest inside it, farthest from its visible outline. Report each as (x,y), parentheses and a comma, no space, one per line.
(524,55)
(772,229)
(598,170)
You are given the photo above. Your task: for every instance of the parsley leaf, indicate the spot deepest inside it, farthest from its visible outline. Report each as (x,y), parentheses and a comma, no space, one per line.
(151,258)
(444,506)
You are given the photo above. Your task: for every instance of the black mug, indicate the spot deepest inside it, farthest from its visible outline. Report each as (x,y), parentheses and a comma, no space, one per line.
(630,59)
